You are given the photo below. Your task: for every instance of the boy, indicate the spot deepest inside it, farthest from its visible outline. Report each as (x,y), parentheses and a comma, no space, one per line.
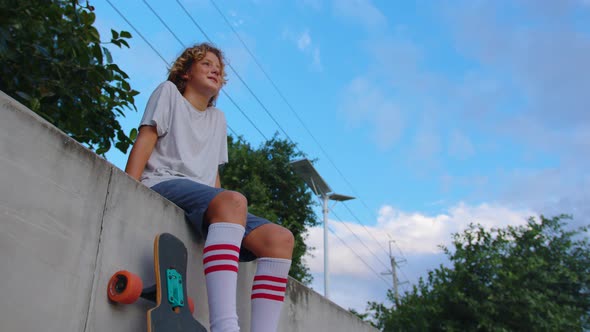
(182,141)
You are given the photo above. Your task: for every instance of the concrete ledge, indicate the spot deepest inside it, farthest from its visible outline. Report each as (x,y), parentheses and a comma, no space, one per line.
(69,220)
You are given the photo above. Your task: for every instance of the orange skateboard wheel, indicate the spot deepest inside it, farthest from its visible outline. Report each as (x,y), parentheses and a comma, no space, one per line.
(124,287)
(191,305)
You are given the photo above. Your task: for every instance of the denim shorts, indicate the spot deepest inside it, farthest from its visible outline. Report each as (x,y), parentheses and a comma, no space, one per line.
(194,198)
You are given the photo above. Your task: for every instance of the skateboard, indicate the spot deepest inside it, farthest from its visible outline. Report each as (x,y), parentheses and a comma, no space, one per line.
(173,310)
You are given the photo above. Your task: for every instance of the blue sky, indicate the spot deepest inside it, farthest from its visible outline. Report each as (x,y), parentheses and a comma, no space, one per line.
(435,113)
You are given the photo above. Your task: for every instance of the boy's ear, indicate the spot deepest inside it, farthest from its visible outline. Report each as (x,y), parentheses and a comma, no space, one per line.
(185,76)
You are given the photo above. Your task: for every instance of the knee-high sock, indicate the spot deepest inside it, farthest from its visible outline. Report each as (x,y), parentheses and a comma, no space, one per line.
(220,261)
(268,293)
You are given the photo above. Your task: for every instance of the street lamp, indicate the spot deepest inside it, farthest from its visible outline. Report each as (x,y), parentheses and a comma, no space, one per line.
(312,178)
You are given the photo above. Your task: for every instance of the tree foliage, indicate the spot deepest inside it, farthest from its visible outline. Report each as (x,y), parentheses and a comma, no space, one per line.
(528,278)
(54,62)
(274,192)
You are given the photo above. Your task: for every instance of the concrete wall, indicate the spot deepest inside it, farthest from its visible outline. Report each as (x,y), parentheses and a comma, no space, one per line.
(69,220)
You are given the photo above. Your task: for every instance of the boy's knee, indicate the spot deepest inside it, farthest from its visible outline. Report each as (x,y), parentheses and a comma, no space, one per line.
(283,243)
(236,200)
(285,239)
(228,206)
(232,201)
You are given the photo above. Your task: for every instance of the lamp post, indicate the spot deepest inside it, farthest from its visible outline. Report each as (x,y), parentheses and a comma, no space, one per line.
(304,168)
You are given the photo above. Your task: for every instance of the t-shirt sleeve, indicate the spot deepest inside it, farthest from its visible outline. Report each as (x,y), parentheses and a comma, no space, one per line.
(159,107)
(223,155)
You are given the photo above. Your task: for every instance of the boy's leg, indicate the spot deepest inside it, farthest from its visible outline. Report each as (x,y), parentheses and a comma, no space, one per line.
(220,262)
(273,244)
(268,293)
(227,215)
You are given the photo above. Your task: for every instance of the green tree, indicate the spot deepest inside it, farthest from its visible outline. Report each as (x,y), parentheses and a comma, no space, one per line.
(54,62)
(534,277)
(273,191)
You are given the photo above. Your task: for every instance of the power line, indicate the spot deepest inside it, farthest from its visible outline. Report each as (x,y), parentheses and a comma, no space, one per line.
(386,267)
(243,113)
(359,257)
(164,23)
(276,88)
(353,233)
(361,241)
(137,31)
(359,222)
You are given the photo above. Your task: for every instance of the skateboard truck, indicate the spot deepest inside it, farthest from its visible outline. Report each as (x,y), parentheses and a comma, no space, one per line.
(175,296)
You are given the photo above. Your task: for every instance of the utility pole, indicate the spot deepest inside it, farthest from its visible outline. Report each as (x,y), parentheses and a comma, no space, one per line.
(395,280)
(393,273)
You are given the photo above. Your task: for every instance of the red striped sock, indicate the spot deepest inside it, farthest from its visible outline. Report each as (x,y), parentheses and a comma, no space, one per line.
(268,293)
(220,263)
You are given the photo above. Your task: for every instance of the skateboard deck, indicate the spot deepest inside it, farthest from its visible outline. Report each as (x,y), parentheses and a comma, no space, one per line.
(173,310)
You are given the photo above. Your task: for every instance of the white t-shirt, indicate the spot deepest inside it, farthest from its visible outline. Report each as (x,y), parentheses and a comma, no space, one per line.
(191,143)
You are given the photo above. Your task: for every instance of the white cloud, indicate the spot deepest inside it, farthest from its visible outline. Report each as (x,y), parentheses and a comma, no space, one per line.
(415,233)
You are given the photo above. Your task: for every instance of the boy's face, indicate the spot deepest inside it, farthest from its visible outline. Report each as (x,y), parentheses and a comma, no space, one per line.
(204,77)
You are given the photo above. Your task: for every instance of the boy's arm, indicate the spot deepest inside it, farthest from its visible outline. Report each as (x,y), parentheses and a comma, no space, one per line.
(141,151)
(217,181)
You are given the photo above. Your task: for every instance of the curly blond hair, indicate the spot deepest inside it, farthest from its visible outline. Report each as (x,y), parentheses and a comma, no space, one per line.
(183,64)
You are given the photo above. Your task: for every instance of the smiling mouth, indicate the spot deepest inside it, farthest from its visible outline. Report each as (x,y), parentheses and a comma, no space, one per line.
(214,79)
